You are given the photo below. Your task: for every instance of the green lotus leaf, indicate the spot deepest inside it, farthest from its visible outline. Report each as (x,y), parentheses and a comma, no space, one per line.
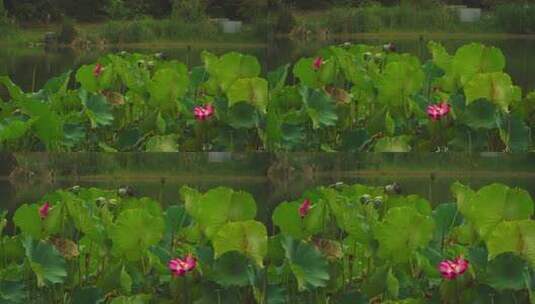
(346,61)
(319,106)
(231,269)
(190,197)
(162,143)
(97,109)
(85,217)
(286,217)
(513,236)
(393,144)
(277,78)
(441,58)
(93,84)
(167,86)
(494,204)
(46,262)
(246,237)
(12,292)
(250,90)
(401,78)
(14,129)
(480,114)
(48,125)
(417,230)
(495,87)
(28,220)
(420,204)
(230,67)
(88,295)
(506,272)
(134,75)
(243,116)
(14,91)
(308,265)
(475,58)
(134,232)
(304,70)
(220,205)
(515,134)
(446,218)
(137,299)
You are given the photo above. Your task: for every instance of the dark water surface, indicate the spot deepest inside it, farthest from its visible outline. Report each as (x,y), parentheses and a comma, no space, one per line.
(31,67)
(270,177)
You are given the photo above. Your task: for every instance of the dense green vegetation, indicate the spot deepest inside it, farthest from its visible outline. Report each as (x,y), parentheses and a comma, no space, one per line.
(348,98)
(338,244)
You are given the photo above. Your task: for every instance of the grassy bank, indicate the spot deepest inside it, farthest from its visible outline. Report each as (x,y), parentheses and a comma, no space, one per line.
(511,19)
(148,30)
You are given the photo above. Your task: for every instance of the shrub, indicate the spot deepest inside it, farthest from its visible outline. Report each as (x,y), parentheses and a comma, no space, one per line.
(189,10)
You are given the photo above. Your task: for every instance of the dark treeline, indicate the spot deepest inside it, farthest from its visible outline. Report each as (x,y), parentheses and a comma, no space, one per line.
(96,10)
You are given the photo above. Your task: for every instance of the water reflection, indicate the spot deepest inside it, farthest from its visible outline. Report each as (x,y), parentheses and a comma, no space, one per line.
(271,178)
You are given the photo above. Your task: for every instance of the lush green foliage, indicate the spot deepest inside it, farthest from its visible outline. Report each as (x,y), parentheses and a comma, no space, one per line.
(357,244)
(361,98)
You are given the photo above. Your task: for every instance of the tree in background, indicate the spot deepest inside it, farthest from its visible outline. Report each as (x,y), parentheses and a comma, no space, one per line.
(189,10)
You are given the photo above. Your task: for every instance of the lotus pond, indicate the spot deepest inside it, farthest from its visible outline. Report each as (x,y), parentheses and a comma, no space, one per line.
(349,97)
(267,228)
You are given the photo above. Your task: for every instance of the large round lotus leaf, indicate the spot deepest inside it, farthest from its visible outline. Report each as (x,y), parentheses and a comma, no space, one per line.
(168,85)
(319,106)
(14,129)
(286,217)
(480,114)
(48,125)
(27,219)
(230,67)
(506,271)
(134,232)
(231,269)
(190,197)
(97,109)
(475,58)
(247,237)
(162,143)
(243,115)
(515,236)
(393,144)
(494,204)
(446,218)
(495,87)
(46,262)
(516,134)
(221,205)
(250,90)
(308,265)
(133,74)
(401,78)
(93,84)
(420,204)
(417,233)
(277,78)
(441,58)
(85,217)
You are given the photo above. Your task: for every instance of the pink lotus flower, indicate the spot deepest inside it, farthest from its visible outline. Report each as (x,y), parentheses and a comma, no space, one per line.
(437,111)
(97,71)
(180,267)
(318,62)
(44,210)
(304,208)
(203,112)
(450,270)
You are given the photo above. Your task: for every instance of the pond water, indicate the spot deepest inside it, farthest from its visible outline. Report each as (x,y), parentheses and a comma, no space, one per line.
(270,178)
(31,67)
